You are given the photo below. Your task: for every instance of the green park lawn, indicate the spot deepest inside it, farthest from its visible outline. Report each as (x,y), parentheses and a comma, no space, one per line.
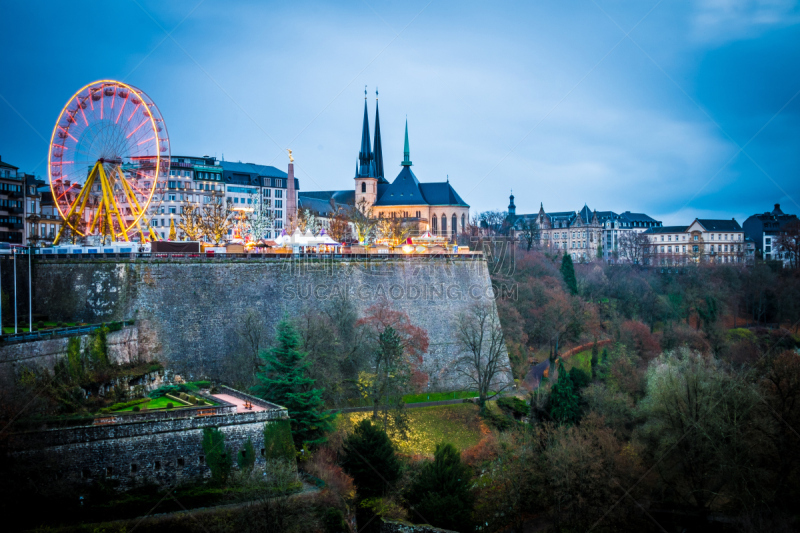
(458,424)
(156,403)
(438,396)
(582,360)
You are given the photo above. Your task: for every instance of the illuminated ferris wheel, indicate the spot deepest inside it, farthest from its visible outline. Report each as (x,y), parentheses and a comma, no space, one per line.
(108,149)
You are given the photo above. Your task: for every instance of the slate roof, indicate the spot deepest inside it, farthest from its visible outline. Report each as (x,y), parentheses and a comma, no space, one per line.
(3,164)
(586,214)
(666,229)
(340,197)
(441,193)
(252,168)
(719,225)
(407,190)
(637,217)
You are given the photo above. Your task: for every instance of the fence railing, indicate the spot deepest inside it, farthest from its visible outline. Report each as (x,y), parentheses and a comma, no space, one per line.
(471,256)
(69,331)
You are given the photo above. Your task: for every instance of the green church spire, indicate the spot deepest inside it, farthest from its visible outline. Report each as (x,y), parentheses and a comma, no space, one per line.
(406,161)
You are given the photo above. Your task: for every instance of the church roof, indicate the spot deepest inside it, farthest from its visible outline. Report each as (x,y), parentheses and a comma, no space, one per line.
(404,190)
(441,193)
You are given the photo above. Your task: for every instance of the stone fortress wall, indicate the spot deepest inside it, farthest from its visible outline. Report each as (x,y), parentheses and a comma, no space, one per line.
(190,312)
(159,449)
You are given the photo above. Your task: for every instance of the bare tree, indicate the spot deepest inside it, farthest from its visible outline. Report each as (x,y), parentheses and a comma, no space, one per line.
(339,223)
(216,219)
(363,221)
(788,243)
(191,222)
(492,221)
(484,360)
(529,232)
(252,336)
(633,246)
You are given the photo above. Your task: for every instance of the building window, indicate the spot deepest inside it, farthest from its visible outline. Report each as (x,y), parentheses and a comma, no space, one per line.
(180,461)
(434,225)
(444,225)
(278,194)
(134,468)
(454,225)
(463,222)
(363,186)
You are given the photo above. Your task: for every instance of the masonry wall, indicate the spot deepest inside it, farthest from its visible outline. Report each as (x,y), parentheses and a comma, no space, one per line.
(162,451)
(190,311)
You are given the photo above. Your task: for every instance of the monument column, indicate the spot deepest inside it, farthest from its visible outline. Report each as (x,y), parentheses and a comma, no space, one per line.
(291,192)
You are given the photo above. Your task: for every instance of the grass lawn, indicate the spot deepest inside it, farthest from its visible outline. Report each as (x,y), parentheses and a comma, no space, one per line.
(581,360)
(156,403)
(438,396)
(457,424)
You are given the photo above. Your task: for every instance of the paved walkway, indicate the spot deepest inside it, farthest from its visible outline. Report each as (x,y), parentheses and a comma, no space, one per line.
(238,403)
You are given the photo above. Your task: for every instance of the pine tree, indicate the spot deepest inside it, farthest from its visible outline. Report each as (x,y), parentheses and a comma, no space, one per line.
(285,381)
(568,273)
(441,492)
(594,360)
(369,457)
(563,403)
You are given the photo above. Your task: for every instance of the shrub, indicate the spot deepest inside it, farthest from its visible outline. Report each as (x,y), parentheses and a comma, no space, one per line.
(513,405)
(217,457)
(369,457)
(246,458)
(333,520)
(278,442)
(580,378)
(170,405)
(123,405)
(201,402)
(441,493)
(136,409)
(59,324)
(40,324)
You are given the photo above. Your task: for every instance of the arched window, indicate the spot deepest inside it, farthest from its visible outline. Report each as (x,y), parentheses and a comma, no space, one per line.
(434,229)
(444,225)
(453,228)
(363,186)
(463,223)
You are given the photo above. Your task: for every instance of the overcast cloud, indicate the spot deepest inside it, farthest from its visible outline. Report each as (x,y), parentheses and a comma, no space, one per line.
(694,113)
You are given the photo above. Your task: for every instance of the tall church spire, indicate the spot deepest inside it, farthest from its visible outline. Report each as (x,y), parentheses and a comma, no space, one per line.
(406,155)
(377,146)
(365,154)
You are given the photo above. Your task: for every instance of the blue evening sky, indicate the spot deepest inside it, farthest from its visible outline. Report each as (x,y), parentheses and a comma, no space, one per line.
(693,114)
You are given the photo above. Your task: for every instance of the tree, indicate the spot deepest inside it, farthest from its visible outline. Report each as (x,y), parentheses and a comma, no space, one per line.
(284,381)
(216,219)
(251,332)
(441,493)
(394,230)
(396,346)
(484,360)
(260,220)
(306,220)
(217,457)
(492,221)
(173,236)
(191,222)
(595,354)
(701,422)
(363,221)
(633,246)
(568,273)
(788,243)
(246,458)
(369,458)
(338,223)
(529,231)
(563,404)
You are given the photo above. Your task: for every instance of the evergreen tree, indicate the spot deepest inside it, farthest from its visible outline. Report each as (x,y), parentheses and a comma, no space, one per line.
(217,457)
(369,457)
(594,360)
(441,492)
(568,273)
(563,404)
(285,381)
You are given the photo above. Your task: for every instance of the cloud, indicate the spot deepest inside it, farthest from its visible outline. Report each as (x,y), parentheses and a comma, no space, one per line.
(720,21)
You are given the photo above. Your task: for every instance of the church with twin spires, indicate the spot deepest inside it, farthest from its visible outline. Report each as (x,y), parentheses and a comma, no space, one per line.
(432,206)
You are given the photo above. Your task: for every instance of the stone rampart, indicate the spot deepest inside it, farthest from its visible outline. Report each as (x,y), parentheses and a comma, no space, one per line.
(190,312)
(165,451)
